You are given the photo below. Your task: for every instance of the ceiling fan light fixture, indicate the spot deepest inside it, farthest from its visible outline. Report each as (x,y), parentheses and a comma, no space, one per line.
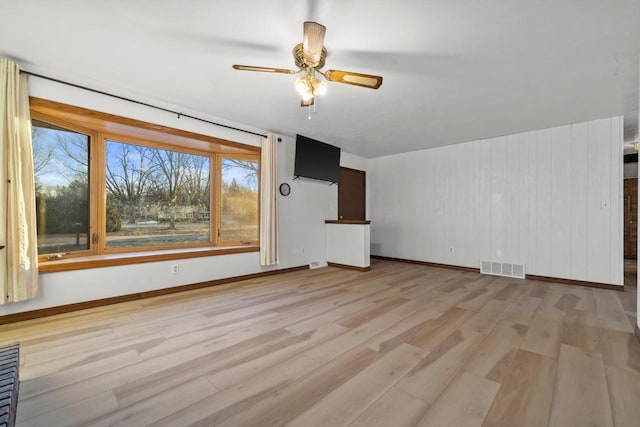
(306,96)
(309,86)
(320,88)
(301,85)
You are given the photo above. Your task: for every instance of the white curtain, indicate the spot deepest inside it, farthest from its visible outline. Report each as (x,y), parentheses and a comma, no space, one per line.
(19,257)
(269,201)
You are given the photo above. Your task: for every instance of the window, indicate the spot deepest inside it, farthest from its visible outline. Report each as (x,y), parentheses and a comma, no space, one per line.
(61,168)
(239,218)
(155,197)
(111,185)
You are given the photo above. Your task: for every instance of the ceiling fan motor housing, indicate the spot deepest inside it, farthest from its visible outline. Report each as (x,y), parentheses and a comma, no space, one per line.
(298,55)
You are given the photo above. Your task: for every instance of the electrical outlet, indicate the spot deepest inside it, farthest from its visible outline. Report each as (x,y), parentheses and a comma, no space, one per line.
(175,269)
(452,249)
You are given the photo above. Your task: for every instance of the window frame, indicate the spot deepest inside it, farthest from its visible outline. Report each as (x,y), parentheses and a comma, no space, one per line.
(91,188)
(218,196)
(103,127)
(142,142)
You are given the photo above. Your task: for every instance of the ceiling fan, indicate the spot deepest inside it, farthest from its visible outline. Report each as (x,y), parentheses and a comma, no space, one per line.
(309,57)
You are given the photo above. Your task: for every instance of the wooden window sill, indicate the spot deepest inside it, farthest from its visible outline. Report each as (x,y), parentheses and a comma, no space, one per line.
(110,260)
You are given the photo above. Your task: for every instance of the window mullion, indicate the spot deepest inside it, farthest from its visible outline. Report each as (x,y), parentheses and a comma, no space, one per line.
(216,208)
(98,236)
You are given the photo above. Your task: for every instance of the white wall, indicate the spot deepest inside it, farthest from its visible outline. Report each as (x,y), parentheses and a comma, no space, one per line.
(550,199)
(301,220)
(631,170)
(303,212)
(352,161)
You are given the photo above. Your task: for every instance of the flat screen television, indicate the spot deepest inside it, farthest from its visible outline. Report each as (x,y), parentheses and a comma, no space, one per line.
(317,160)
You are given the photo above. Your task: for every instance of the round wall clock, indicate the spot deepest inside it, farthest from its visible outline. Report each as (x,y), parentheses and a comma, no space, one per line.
(285,190)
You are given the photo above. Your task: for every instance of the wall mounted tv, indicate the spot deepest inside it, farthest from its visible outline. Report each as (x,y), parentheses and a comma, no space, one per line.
(317,160)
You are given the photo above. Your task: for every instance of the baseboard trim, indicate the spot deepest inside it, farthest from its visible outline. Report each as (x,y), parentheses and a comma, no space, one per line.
(428,264)
(348,267)
(575,282)
(67,308)
(528,276)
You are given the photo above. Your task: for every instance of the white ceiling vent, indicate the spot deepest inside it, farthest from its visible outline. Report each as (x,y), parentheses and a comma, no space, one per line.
(502,269)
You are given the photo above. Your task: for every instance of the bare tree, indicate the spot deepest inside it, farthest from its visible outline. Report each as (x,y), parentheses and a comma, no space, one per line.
(73,155)
(128,170)
(252,168)
(42,152)
(170,166)
(163,179)
(63,153)
(129,175)
(196,180)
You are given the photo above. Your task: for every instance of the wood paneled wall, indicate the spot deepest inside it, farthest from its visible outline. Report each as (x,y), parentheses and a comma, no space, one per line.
(630,204)
(551,199)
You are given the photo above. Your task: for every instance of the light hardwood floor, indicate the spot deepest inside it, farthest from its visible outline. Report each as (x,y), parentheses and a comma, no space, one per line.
(400,345)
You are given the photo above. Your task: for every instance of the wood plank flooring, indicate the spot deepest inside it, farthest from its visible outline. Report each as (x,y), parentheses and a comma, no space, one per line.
(400,345)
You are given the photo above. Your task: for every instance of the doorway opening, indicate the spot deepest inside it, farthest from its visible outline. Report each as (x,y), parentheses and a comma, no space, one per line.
(352,194)
(630,231)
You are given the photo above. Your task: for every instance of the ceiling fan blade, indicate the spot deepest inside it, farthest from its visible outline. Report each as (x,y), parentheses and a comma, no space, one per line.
(312,42)
(356,79)
(307,103)
(263,69)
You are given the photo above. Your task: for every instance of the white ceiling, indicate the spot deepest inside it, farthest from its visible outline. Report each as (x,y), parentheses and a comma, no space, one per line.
(454,70)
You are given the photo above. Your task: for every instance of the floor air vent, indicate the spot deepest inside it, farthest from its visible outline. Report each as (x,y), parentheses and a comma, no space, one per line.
(502,269)
(316,264)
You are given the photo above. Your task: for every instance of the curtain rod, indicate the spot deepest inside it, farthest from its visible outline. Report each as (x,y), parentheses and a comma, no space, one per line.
(140,103)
